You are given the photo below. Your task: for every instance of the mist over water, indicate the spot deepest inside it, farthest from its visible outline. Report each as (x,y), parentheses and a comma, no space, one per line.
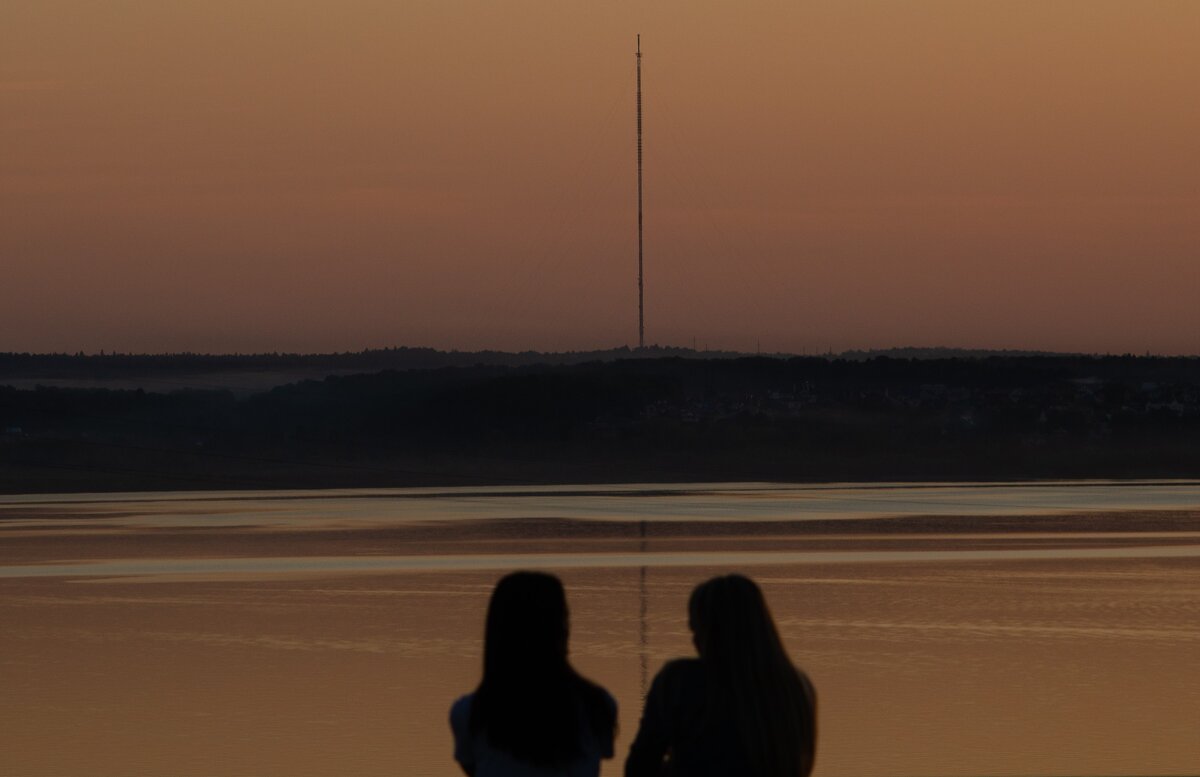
(950,629)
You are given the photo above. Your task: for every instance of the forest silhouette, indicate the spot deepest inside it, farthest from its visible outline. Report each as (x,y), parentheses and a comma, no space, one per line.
(634,420)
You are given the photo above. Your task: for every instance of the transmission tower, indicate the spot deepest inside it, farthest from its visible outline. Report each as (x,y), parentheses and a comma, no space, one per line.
(641,308)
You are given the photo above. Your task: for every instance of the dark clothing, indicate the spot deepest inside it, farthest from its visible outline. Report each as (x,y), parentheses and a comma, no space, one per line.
(477,757)
(677,720)
(681,734)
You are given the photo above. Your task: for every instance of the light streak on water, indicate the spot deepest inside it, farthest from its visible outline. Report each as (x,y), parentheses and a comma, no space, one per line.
(238,567)
(748,502)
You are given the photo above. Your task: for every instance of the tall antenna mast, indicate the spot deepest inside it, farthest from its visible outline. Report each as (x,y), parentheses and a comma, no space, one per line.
(641,309)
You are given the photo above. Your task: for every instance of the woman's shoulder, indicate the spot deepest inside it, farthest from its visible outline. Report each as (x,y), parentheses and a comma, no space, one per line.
(807,687)
(597,703)
(590,689)
(681,676)
(681,670)
(460,712)
(609,700)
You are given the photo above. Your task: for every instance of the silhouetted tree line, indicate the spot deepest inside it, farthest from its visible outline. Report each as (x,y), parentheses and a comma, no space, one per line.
(635,419)
(111,364)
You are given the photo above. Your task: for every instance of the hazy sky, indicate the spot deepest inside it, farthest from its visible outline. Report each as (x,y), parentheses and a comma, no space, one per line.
(269,175)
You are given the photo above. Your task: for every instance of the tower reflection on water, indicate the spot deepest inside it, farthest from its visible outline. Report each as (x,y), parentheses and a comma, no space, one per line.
(643,631)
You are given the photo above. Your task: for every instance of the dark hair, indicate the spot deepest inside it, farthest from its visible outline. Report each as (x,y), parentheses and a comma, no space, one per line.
(750,675)
(531,702)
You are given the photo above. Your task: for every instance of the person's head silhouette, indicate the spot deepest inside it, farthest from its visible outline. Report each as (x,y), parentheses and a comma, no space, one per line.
(527,626)
(750,675)
(730,621)
(531,703)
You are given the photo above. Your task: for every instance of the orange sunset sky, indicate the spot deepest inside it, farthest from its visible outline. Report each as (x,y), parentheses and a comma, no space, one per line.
(266,175)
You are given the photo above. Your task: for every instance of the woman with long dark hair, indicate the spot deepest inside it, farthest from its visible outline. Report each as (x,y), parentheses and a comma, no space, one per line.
(532,714)
(741,708)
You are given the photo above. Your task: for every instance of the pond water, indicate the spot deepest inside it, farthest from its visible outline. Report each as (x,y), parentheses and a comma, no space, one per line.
(951,629)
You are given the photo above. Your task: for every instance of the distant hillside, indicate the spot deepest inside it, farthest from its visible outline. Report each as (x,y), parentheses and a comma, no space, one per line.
(372,359)
(649,419)
(246,374)
(944,353)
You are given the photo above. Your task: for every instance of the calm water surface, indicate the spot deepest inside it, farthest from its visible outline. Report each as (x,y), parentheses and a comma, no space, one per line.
(950,629)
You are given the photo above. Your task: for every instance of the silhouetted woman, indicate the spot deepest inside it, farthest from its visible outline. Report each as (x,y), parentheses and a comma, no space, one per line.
(741,708)
(532,713)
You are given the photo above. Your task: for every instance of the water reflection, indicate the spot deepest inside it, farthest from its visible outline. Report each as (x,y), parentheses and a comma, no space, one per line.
(249,568)
(657,502)
(328,634)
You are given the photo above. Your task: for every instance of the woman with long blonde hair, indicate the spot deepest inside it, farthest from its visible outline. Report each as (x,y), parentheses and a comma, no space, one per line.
(740,708)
